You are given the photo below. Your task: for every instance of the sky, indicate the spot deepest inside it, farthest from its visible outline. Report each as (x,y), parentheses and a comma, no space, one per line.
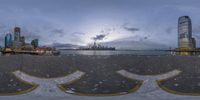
(125,24)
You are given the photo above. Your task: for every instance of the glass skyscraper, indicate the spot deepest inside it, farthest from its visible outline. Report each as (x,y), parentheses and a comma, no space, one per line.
(185,39)
(17,38)
(8,40)
(34,43)
(17,34)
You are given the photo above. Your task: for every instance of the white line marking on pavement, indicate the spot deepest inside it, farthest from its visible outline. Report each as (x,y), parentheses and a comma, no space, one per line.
(144,77)
(149,84)
(156,95)
(48,86)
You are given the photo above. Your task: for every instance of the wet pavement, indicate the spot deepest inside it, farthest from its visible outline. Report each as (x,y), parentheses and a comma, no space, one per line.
(98,84)
(47,66)
(101,77)
(183,84)
(11,85)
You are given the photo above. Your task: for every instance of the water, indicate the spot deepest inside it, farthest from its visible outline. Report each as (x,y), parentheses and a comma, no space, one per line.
(115,52)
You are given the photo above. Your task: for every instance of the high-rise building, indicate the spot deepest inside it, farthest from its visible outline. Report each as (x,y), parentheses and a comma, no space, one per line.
(17,34)
(8,40)
(193,43)
(185,39)
(34,43)
(22,39)
(17,38)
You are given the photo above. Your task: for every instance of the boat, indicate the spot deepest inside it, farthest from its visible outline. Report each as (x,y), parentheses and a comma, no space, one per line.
(96,46)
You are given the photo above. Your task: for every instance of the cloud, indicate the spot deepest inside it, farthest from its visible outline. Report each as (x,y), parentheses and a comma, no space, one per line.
(136,45)
(107,30)
(197,36)
(99,37)
(78,33)
(2,38)
(2,26)
(196,29)
(127,27)
(169,30)
(103,34)
(138,38)
(58,32)
(3,30)
(30,34)
(188,8)
(145,37)
(76,37)
(64,45)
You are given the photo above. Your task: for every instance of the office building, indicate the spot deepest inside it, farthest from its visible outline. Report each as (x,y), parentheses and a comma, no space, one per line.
(17,38)
(34,43)
(22,40)
(8,40)
(185,39)
(17,34)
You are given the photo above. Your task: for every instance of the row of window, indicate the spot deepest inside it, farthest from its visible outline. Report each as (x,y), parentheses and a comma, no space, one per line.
(184,35)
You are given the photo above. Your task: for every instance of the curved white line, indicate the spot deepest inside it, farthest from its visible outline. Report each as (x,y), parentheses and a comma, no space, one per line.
(37,80)
(144,77)
(149,86)
(48,86)
(76,75)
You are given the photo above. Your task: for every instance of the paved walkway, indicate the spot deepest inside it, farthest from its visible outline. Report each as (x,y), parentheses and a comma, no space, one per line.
(149,90)
(48,87)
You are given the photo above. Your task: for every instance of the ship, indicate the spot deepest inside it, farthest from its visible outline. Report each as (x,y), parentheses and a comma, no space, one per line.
(47,51)
(96,46)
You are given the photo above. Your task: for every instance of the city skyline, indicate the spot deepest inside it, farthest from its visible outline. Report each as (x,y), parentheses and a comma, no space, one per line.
(18,41)
(139,24)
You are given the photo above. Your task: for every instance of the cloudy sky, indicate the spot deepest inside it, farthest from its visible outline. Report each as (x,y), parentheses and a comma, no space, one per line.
(130,24)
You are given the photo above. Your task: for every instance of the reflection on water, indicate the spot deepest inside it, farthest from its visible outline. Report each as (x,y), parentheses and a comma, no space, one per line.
(116,52)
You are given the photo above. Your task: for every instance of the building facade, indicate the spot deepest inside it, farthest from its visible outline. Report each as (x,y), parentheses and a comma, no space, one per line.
(17,34)
(22,40)
(8,40)
(18,40)
(34,43)
(185,39)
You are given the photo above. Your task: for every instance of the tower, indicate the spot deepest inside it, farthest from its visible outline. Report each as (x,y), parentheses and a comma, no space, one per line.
(8,40)
(185,39)
(17,38)
(22,40)
(17,34)
(34,43)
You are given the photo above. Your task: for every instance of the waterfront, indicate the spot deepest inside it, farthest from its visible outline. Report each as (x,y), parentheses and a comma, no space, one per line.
(116,52)
(99,50)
